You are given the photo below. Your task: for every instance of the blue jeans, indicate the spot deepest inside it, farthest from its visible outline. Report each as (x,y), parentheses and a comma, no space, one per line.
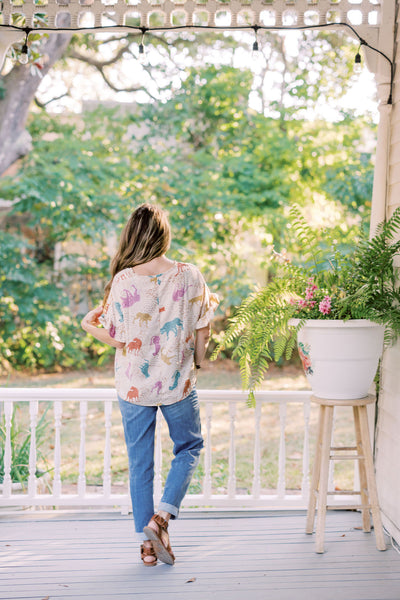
(183,419)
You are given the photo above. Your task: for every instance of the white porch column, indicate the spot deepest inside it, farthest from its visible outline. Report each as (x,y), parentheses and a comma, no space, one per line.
(378,65)
(7,38)
(380,187)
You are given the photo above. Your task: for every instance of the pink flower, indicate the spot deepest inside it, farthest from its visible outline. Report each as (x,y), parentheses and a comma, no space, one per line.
(302,303)
(312,303)
(325,306)
(309,293)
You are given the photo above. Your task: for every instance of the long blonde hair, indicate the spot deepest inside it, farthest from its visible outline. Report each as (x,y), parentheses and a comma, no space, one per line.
(146,235)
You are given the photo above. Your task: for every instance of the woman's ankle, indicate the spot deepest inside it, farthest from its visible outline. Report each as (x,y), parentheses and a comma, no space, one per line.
(164,514)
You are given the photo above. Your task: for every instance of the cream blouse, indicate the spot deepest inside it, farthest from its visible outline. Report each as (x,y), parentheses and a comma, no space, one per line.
(156,317)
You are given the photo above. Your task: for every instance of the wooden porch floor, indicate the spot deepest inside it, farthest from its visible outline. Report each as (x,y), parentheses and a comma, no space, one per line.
(220,556)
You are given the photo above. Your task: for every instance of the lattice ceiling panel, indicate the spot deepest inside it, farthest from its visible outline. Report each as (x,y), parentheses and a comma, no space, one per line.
(65,14)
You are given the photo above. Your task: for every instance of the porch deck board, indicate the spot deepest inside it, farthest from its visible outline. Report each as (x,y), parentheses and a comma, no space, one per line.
(220,556)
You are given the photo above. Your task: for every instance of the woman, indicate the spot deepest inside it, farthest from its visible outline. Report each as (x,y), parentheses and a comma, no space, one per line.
(157,314)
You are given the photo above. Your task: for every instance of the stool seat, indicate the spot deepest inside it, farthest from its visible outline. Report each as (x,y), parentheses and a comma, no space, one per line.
(320,474)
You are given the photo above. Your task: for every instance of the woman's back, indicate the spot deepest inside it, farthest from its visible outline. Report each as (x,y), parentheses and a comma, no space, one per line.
(156,317)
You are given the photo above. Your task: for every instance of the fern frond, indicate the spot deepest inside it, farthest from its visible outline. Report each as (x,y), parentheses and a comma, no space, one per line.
(362,284)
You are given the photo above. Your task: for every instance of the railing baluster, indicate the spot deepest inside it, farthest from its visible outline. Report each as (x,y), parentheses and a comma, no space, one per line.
(7,483)
(232,451)
(256,488)
(57,448)
(107,449)
(207,486)
(33,412)
(230,400)
(82,450)
(282,451)
(305,483)
(158,460)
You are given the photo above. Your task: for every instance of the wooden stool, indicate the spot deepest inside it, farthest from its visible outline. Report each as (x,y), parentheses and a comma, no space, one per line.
(320,473)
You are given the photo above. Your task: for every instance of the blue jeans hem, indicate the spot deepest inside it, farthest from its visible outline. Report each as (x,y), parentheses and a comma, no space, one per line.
(170,508)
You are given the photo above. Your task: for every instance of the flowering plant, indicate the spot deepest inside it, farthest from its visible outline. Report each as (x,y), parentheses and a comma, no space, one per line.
(315,303)
(359,283)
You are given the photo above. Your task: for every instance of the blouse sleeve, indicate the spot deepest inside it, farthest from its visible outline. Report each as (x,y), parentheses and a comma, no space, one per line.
(208,307)
(112,319)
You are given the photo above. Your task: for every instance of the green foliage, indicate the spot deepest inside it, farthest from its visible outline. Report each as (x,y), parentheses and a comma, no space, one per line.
(225,174)
(66,193)
(334,161)
(358,284)
(70,185)
(37,329)
(371,282)
(321,69)
(20,447)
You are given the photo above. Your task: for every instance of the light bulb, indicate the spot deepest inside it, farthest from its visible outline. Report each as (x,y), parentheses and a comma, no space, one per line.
(142,55)
(256,51)
(23,57)
(357,63)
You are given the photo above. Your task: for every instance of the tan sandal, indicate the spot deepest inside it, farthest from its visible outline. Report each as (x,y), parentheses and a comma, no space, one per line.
(163,552)
(148,551)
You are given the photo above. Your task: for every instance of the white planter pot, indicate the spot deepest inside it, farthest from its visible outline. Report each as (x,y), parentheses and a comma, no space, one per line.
(340,358)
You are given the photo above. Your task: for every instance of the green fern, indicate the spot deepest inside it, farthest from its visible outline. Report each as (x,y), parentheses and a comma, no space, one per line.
(361,284)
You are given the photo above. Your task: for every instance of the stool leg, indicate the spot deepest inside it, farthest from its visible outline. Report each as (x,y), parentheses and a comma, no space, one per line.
(370,474)
(312,503)
(324,476)
(366,519)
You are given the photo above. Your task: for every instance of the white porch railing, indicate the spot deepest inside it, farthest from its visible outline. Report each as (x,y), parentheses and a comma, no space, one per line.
(211,400)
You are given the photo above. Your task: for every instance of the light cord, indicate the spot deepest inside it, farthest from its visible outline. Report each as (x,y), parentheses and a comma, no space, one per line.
(254,28)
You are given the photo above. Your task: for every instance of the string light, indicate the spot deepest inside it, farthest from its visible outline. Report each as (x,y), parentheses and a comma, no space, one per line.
(23,57)
(255,28)
(255,45)
(357,60)
(357,63)
(142,56)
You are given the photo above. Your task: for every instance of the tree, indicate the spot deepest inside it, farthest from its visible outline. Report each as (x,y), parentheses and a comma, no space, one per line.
(17,90)
(19,86)
(225,173)
(68,192)
(320,68)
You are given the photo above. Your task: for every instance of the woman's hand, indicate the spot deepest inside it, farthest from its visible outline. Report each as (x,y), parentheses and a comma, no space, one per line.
(202,337)
(90,323)
(92,318)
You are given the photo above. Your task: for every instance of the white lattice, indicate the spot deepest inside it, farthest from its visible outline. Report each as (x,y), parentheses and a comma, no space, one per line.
(363,14)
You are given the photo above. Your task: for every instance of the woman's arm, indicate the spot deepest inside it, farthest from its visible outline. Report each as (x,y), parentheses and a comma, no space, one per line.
(90,323)
(201,342)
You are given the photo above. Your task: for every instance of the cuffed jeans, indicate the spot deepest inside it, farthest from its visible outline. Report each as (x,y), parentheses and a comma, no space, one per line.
(183,420)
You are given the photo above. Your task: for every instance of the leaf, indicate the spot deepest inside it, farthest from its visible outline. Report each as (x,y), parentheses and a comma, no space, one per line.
(191,580)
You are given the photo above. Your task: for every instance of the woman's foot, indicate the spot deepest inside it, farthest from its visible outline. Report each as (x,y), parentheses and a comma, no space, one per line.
(147,554)
(157,532)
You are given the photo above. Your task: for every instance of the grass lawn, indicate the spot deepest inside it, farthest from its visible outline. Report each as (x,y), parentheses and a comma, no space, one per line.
(216,375)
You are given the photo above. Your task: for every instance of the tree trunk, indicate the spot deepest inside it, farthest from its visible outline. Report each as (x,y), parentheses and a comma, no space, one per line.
(19,89)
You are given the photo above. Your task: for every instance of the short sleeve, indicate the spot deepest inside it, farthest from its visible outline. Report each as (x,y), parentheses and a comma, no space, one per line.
(112,319)
(208,307)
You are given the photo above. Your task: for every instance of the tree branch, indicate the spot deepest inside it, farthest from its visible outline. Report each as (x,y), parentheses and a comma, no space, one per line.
(99,64)
(134,88)
(43,105)
(125,48)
